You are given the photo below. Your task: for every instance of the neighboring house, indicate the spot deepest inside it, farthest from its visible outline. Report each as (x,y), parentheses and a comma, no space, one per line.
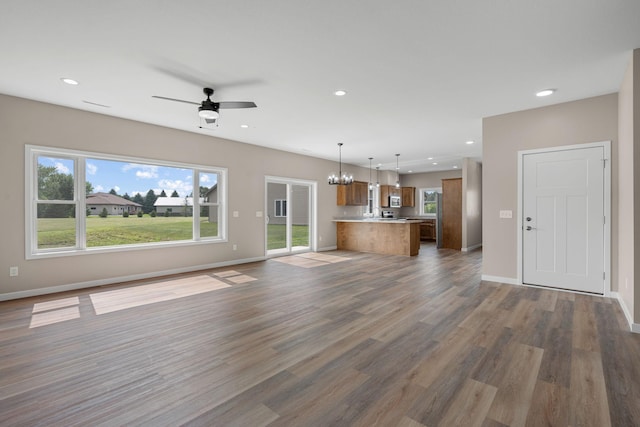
(175,205)
(277,209)
(115,205)
(212,197)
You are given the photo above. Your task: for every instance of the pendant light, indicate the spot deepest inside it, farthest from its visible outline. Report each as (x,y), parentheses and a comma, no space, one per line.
(378,176)
(397,172)
(341,179)
(370,182)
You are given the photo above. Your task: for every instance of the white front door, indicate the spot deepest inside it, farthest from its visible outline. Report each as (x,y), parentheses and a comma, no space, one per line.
(563,216)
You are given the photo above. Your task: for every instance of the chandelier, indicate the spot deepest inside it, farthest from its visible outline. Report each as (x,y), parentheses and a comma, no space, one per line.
(340,179)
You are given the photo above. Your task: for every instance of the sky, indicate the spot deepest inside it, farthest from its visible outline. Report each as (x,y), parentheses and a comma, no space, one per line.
(132,178)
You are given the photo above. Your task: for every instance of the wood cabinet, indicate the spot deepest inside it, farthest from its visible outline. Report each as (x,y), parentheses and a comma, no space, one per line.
(356,194)
(452,213)
(428,229)
(390,238)
(389,190)
(408,196)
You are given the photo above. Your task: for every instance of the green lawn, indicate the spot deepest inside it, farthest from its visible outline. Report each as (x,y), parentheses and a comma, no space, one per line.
(117,230)
(276,236)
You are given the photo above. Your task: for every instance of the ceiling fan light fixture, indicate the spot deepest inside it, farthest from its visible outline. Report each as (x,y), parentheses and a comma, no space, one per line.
(206,113)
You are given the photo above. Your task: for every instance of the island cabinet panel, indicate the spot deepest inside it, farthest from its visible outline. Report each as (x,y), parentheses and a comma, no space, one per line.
(377,237)
(452,213)
(356,194)
(408,196)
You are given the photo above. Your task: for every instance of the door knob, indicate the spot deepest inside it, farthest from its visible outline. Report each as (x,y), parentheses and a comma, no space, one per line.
(529,228)
(528,218)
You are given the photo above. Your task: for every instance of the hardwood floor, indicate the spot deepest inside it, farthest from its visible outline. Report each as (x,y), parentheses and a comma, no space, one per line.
(309,341)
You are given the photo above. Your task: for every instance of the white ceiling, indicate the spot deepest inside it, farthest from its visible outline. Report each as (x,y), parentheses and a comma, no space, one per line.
(420,75)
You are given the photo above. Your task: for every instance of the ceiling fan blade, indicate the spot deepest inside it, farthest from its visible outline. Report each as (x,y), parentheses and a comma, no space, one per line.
(239,104)
(173,99)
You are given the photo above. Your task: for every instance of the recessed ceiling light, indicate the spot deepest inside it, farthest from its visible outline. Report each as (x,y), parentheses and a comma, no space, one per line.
(244,126)
(410,171)
(340,92)
(69,81)
(455,167)
(470,142)
(545,92)
(429,158)
(434,163)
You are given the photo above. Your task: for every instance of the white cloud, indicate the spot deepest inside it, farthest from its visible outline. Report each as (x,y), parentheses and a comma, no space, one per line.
(98,188)
(168,185)
(204,178)
(146,174)
(91,169)
(61,168)
(142,171)
(116,188)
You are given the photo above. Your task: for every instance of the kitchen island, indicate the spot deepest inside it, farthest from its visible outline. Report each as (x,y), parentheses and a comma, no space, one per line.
(381,236)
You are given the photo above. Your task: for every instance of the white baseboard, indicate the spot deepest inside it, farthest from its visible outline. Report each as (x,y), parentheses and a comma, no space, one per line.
(507,280)
(633,327)
(112,280)
(328,248)
(472,247)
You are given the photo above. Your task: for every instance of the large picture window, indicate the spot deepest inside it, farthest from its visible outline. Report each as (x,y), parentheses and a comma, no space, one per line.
(78,201)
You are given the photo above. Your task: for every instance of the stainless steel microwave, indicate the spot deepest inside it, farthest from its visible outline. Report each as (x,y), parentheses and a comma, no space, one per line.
(394,202)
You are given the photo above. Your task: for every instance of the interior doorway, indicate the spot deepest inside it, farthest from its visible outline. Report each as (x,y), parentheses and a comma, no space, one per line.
(290,216)
(564,217)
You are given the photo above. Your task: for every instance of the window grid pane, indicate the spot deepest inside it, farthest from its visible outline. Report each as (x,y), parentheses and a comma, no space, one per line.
(113,217)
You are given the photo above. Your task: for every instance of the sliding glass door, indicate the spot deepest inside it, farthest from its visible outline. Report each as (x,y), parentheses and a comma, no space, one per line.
(289,215)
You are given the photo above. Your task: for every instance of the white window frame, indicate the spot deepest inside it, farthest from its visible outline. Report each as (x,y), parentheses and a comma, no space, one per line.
(32,152)
(280,202)
(422,191)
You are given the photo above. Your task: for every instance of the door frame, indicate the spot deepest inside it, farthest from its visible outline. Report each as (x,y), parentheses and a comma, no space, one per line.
(606,145)
(313,210)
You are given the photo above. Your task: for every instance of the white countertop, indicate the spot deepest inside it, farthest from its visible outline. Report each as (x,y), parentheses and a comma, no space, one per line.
(382,220)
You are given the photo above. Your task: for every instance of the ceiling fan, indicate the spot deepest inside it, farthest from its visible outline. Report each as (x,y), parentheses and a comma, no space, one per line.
(208,109)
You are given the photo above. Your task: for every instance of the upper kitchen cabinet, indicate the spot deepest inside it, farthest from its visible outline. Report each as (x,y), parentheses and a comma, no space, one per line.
(356,194)
(408,196)
(387,191)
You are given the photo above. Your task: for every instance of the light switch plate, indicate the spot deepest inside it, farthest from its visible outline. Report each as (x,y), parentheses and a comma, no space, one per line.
(506,214)
(236,214)
(258,214)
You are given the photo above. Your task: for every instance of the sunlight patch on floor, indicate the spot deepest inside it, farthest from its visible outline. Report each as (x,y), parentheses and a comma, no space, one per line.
(310,259)
(54,316)
(120,299)
(235,276)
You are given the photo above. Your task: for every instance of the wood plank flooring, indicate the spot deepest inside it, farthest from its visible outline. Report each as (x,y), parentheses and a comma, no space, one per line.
(371,340)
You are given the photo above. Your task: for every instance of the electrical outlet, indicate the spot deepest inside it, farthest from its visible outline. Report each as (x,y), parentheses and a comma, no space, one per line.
(258,214)
(236,214)
(13,271)
(235,247)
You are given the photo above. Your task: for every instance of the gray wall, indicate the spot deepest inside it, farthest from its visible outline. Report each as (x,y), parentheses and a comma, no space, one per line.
(628,243)
(584,121)
(62,127)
